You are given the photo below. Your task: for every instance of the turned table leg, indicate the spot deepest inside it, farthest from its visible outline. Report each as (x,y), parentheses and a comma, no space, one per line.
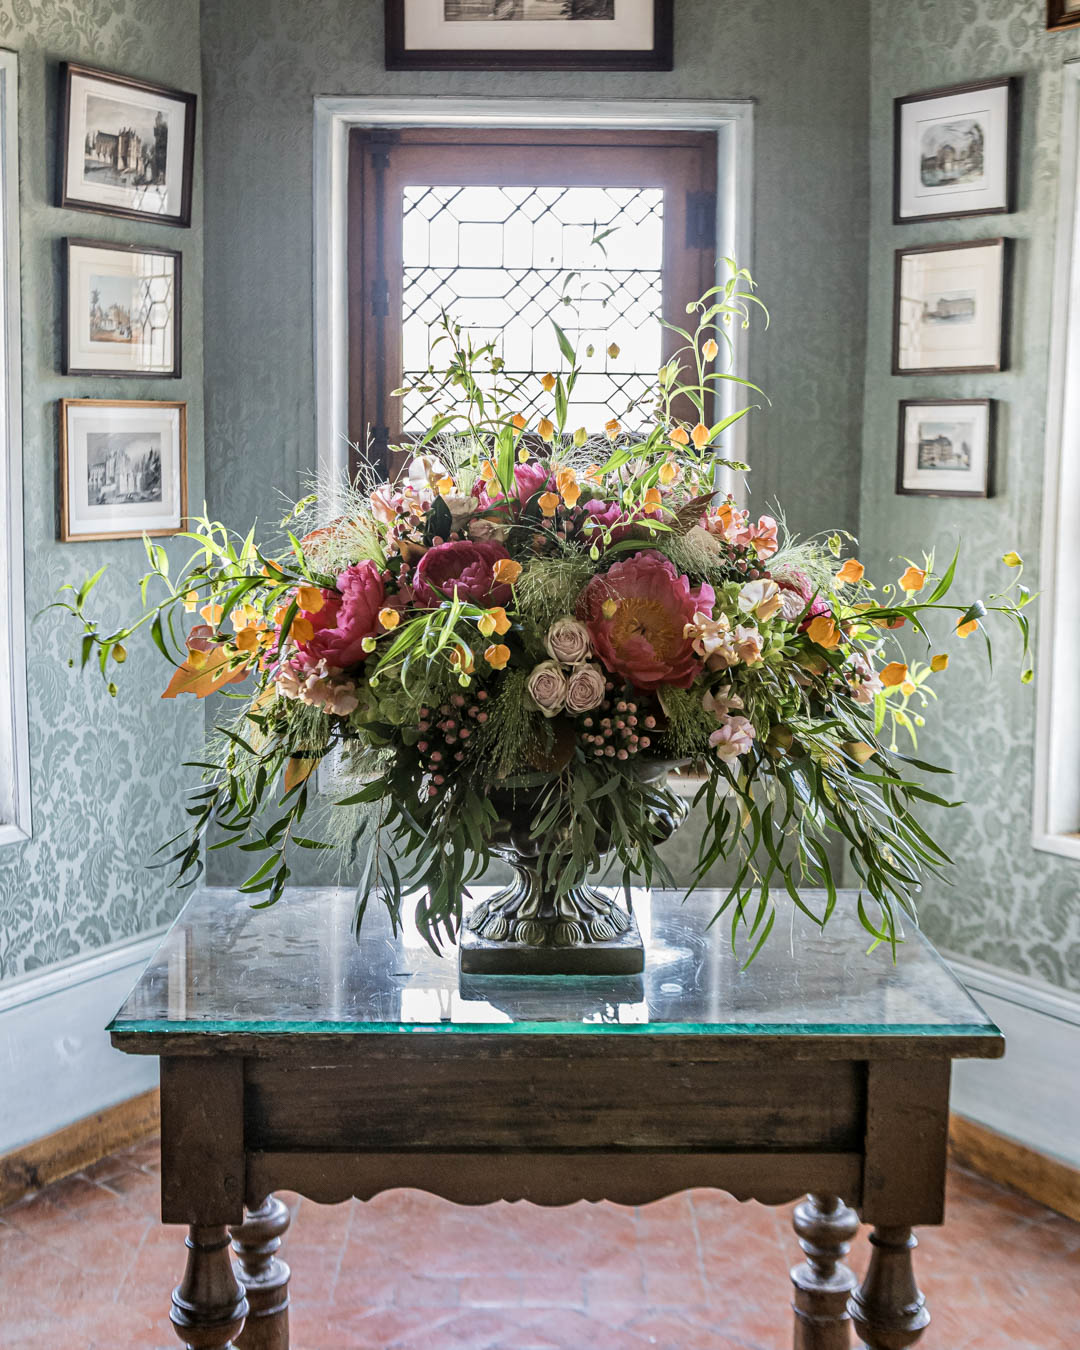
(823,1283)
(264,1275)
(888,1310)
(208,1305)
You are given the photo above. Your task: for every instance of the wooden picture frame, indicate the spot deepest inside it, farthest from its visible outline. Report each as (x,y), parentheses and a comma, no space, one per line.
(985,112)
(128,165)
(916,480)
(1062,14)
(988,293)
(164,514)
(658,55)
(158,354)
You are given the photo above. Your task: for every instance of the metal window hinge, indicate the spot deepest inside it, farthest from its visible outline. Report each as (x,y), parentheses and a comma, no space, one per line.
(701,220)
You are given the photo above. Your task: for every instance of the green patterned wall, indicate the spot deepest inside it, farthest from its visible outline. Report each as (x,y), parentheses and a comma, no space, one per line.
(1010,905)
(105,779)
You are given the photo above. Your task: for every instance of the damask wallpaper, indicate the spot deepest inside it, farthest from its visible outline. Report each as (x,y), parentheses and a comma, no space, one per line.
(106,789)
(806,67)
(1010,905)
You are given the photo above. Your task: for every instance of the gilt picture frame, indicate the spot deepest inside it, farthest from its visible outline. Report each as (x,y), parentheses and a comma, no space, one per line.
(954,152)
(945,447)
(122,310)
(529,34)
(950,308)
(123,468)
(126,147)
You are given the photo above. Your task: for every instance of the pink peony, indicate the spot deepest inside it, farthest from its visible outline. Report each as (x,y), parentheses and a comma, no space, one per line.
(637,615)
(464,566)
(530,478)
(350,614)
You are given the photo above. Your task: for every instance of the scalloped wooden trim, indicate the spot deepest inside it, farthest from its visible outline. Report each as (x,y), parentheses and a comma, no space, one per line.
(555,1177)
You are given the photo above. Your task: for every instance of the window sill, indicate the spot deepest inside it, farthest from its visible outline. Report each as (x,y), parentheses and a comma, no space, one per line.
(1065,845)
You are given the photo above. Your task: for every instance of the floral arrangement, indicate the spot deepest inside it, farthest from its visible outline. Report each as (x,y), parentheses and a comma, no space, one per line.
(528,608)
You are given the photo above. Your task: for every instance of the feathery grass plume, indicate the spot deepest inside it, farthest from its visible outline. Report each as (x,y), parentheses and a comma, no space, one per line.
(549,587)
(696,554)
(514,732)
(689,725)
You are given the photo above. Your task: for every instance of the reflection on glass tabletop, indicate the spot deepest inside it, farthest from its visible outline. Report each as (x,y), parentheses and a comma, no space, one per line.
(299,967)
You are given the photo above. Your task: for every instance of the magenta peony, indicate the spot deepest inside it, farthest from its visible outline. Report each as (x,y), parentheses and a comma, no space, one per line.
(465,566)
(636,615)
(350,614)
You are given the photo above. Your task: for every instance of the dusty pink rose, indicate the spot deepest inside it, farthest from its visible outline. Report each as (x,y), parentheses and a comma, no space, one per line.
(568,641)
(585,688)
(349,615)
(642,634)
(546,686)
(464,566)
(734,738)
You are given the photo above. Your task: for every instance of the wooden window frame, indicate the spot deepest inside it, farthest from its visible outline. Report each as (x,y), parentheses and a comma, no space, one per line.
(535,155)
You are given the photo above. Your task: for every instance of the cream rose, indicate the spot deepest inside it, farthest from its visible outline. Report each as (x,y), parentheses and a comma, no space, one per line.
(568,641)
(546,686)
(585,689)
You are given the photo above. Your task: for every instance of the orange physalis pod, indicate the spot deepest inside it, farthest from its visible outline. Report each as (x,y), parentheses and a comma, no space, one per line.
(896,672)
(497,655)
(310,598)
(700,436)
(507,571)
(966,629)
(914,579)
(389,618)
(851,572)
(301,629)
(548,503)
(679,436)
(824,632)
(548,382)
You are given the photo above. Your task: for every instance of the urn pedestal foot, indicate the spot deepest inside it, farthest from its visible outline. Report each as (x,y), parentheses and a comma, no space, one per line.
(522,931)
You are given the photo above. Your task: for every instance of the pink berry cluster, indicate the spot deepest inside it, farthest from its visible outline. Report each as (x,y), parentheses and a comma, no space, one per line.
(444,736)
(616,730)
(742,559)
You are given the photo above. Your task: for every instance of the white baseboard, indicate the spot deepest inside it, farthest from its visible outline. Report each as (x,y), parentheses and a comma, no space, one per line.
(56,1063)
(1033,1094)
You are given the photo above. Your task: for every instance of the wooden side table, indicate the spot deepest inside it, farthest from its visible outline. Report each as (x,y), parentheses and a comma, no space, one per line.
(293,1056)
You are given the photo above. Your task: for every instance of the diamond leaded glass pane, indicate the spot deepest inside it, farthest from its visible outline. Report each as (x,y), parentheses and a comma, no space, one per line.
(502,259)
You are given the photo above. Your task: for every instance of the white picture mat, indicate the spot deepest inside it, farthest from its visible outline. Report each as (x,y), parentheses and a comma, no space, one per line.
(85,519)
(631,30)
(925,276)
(83,352)
(164,201)
(991,106)
(973,480)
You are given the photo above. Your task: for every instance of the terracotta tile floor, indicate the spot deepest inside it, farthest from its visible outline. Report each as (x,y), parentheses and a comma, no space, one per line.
(85,1265)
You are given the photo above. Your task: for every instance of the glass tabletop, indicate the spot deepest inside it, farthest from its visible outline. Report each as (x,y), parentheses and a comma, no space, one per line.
(298,968)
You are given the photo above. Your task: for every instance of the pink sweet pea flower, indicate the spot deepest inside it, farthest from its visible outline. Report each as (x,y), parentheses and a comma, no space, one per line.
(734,738)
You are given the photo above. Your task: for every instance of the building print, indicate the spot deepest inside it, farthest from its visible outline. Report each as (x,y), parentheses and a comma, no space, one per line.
(127,156)
(948,308)
(118,473)
(944,452)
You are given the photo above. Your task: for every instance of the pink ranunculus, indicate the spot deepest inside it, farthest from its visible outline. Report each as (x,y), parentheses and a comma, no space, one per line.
(734,738)
(608,523)
(796,593)
(637,614)
(464,566)
(350,614)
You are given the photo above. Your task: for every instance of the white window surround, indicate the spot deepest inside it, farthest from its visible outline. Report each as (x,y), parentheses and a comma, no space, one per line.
(1056,826)
(732,122)
(14,750)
